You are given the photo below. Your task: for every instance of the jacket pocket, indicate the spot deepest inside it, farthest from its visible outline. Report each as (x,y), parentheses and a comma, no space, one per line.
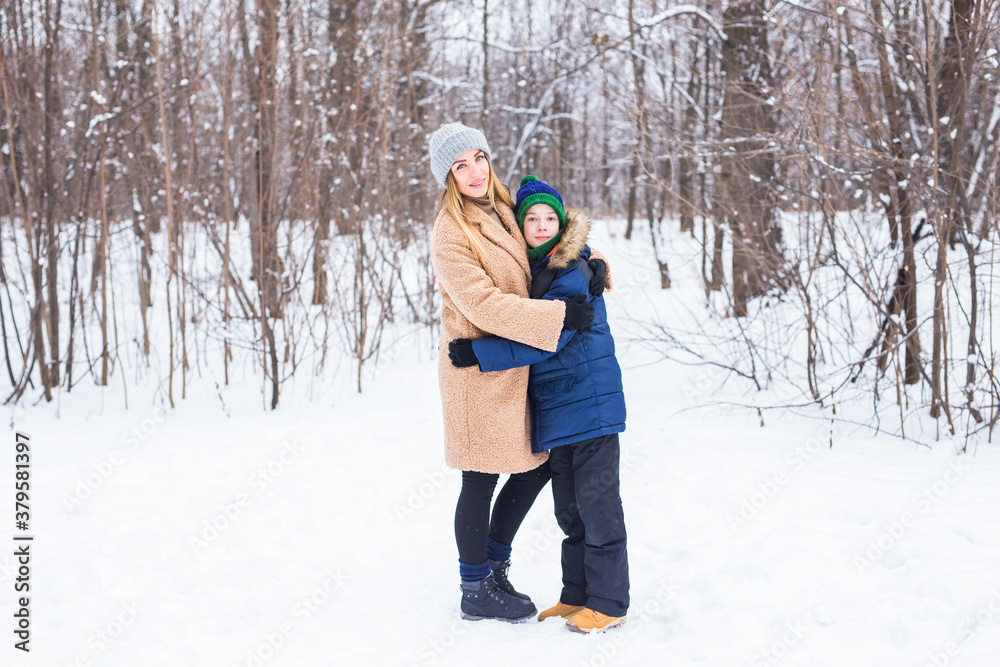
(553,387)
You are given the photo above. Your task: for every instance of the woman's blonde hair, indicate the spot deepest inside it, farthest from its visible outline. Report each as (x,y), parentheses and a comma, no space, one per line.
(451,201)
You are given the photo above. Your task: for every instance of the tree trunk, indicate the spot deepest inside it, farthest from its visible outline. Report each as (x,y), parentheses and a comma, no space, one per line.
(484,112)
(267,267)
(167,180)
(227,104)
(338,91)
(951,216)
(145,220)
(633,174)
(24,204)
(50,191)
(747,178)
(687,164)
(101,251)
(900,207)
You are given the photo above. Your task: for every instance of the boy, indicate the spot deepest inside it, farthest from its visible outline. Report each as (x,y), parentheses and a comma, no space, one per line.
(577,412)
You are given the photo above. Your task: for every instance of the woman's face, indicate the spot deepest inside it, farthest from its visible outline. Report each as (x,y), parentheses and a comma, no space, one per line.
(471,172)
(540,224)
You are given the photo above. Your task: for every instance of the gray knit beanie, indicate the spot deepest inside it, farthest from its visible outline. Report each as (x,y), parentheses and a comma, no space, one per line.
(450,141)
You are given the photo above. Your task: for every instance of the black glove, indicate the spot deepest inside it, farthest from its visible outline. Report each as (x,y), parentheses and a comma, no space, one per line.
(579,313)
(599,269)
(461,353)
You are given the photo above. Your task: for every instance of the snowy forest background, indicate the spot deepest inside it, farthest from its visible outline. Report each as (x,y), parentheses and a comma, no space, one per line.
(239,189)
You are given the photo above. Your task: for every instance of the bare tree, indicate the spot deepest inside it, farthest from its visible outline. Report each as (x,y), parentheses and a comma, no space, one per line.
(747,179)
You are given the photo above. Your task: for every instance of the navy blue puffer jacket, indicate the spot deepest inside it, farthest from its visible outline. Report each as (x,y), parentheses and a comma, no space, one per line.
(576,392)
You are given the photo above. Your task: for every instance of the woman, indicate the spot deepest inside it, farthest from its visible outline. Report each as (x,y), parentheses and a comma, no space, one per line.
(481,263)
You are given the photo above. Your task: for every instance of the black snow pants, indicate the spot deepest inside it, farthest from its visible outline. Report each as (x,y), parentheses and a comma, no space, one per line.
(588,507)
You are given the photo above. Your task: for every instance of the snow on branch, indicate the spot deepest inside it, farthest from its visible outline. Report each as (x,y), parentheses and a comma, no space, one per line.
(447,84)
(531,126)
(681,10)
(659,71)
(97,120)
(991,128)
(509,48)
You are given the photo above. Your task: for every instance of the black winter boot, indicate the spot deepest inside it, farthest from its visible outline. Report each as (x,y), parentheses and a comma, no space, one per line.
(500,568)
(485,599)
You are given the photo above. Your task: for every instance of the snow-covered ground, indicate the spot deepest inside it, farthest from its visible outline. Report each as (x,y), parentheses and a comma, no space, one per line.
(218,533)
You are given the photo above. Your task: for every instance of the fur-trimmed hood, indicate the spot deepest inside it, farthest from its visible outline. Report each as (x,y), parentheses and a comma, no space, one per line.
(573,241)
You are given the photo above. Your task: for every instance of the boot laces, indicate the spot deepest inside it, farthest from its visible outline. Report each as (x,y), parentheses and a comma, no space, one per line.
(495,591)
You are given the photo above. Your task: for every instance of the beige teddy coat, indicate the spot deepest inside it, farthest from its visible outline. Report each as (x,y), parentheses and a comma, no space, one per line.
(487,424)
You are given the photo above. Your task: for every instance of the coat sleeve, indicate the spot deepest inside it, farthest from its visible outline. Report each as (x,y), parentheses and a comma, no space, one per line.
(530,321)
(500,354)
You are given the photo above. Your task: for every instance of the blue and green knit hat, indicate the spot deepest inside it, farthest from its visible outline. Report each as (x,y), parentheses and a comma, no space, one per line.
(532,191)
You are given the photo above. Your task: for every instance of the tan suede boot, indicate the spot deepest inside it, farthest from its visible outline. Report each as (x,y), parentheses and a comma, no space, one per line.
(561,610)
(589,621)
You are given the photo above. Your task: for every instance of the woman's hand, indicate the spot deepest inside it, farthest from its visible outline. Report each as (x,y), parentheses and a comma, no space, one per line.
(461,353)
(599,269)
(579,313)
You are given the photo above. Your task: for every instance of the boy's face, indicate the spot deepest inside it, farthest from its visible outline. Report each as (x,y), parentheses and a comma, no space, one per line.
(540,224)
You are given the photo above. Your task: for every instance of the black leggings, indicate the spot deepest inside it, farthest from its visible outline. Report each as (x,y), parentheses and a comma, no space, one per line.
(473,524)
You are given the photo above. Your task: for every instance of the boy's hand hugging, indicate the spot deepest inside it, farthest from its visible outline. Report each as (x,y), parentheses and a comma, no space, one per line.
(600,270)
